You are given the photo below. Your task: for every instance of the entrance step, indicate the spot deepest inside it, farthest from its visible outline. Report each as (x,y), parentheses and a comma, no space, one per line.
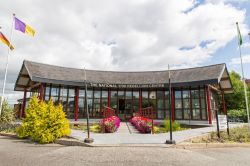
(131,128)
(127,128)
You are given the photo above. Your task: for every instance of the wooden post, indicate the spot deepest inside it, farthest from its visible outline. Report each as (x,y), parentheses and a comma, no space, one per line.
(209,105)
(225,109)
(76,102)
(109,97)
(24,104)
(41,92)
(140,102)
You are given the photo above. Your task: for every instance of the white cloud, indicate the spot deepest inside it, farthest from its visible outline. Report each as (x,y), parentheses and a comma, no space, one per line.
(245,60)
(119,35)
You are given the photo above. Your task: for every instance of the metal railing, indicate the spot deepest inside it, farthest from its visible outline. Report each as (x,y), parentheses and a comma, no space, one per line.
(108,112)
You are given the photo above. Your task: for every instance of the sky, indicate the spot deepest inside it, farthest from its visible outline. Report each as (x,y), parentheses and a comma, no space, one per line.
(125,35)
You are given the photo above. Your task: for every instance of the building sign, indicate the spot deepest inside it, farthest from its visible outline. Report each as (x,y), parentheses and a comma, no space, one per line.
(103,85)
(222,121)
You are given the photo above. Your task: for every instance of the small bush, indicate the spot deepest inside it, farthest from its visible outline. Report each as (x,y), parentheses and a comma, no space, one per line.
(96,128)
(7,117)
(237,115)
(175,125)
(43,122)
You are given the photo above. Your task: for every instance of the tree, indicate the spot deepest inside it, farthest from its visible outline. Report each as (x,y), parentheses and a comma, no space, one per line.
(7,116)
(236,100)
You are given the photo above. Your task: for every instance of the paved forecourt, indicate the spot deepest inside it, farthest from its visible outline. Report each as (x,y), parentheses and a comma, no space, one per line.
(127,135)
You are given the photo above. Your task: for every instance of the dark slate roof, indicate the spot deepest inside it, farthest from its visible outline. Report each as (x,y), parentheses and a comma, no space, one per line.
(45,73)
(248,81)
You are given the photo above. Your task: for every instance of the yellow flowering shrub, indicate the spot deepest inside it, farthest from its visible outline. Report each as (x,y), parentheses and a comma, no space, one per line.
(43,122)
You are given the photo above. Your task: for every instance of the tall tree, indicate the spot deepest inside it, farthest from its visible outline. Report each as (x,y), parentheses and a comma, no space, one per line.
(236,100)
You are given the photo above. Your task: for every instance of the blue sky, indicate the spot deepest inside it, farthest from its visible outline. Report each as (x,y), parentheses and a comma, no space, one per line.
(225,54)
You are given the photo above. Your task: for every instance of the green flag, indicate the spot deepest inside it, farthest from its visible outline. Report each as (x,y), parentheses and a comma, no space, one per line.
(239,34)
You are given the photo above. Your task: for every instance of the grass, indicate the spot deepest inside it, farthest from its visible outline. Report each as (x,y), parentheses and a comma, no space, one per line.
(237,135)
(163,128)
(94,127)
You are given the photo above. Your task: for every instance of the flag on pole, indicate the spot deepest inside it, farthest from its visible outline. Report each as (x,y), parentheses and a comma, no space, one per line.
(239,34)
(4,40)
(21,26)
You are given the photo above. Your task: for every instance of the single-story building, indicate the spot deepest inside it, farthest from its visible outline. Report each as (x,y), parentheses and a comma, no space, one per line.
(196,93)
(248,81)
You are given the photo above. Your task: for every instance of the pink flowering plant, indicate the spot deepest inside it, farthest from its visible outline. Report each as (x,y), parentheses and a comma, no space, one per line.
(142,124)
(110,124)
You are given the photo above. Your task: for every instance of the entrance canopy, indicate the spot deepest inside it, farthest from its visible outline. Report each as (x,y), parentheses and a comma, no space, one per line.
(33,74)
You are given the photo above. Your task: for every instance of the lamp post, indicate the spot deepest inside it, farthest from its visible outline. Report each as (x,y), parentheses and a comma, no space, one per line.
(88,139)
(170,141)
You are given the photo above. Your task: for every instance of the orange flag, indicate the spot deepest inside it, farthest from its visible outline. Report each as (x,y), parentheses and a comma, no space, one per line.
(5,41)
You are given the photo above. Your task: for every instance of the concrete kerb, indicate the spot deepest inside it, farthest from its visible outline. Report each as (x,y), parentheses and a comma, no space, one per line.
(8,135)
(210,145)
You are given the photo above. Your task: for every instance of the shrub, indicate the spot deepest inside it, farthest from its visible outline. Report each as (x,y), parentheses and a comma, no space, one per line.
(110,124)
(96,128)
(7,117)
(237,115)
(43,122)
(175,125)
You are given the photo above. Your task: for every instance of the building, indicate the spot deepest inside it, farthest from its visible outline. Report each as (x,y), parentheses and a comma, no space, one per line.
(196,92)
(248,81)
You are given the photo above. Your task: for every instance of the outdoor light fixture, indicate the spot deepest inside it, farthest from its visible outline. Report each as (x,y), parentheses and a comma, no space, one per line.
(170,141)
(88,139)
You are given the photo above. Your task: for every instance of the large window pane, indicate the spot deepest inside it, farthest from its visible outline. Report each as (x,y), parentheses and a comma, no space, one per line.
(187,114)
(160,103)
(178,103)
(196,114)
(152,95)
(128,94)
(185,94)
(177,94)
(178,114)
(97,94)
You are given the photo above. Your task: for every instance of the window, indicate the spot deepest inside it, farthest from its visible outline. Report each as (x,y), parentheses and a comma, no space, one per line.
(160,105)
(55,93)
(47,92)
(71,103)
(135,106)
(167,104)
(178,104)
(64,98)
(104,98)
(81,103)
(113,102)
(145,102)
(90,102)
(97,104)
(195,104)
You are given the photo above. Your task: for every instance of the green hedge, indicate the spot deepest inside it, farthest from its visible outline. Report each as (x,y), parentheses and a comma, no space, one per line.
(240,114)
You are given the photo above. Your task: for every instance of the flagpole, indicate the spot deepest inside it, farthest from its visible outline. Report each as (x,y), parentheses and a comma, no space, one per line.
(7,65)
(243,79)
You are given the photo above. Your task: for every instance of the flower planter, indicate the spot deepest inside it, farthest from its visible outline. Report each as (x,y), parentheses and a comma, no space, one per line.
(110,124)
(142,124)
